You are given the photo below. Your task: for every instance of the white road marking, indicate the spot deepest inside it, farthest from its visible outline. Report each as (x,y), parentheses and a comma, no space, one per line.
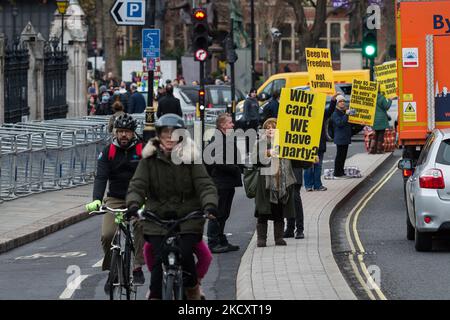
(72,286)
(98,264)
(75,254)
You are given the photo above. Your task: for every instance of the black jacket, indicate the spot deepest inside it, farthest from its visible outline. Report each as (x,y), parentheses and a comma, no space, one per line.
(225,176)
(118,171)
(136,103)
(270,110)
(169,104)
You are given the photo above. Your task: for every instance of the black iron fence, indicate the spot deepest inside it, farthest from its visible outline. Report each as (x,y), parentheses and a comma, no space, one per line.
(55,69)
(16,82)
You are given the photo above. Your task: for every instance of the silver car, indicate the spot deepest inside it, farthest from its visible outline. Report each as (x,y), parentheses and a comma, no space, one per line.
(427,190)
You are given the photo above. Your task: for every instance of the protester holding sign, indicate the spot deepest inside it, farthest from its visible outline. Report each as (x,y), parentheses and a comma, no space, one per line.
(342,135)
(274,198)
(313,174)
(380,125)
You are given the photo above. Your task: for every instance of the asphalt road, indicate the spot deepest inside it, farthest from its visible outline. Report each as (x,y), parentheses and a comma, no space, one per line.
(403,273)
(42,269)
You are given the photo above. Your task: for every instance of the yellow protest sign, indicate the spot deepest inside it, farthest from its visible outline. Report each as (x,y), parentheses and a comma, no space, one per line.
(299,124)
(363,101)
(320,70)
(386,75)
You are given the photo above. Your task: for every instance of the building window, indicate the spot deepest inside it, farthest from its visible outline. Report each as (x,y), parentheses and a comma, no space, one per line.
(331,38)
(286,43)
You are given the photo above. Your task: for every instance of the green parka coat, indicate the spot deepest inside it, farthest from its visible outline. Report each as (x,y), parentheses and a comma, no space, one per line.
(381,118)
(167,187)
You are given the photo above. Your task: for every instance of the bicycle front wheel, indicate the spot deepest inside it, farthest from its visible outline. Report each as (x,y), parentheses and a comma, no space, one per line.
(116,276)
(168,287)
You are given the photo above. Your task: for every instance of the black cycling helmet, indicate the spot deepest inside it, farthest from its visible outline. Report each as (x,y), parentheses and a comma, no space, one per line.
(125,121)
(169,120)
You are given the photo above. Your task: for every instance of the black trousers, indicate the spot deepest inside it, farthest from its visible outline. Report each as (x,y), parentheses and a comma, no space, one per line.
(339,161)
(252,125)
(186,244)
(216,227)
(297,222)
(379,135)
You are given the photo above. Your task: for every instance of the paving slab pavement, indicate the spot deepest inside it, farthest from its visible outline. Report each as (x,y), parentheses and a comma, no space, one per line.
(305,269)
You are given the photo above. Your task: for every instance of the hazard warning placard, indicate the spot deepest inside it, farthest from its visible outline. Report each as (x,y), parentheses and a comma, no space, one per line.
(409,111)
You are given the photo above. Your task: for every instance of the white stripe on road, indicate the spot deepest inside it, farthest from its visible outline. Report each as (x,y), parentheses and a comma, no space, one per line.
(72,286)
(98,264)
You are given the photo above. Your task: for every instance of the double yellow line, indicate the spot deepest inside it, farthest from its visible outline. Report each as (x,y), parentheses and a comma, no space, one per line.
(356,258)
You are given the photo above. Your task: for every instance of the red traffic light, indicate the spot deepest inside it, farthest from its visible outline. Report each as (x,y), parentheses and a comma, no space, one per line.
(200,14)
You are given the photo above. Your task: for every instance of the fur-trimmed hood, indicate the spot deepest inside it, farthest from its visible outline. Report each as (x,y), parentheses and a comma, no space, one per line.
(186,151)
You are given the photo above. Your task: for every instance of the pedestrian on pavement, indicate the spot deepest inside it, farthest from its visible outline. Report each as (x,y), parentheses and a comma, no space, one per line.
(313,175)
(92,105)
(274,198)
(226,176)
(251,115)
(136,103)
(380,124)
(104,108)
(169,189)
(271,109)
(118,110)
(169,104)
(342,135)
(115,167)
(124,95)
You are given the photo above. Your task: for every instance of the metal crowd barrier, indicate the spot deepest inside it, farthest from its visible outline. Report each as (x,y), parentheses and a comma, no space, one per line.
(39,156)
(52,154)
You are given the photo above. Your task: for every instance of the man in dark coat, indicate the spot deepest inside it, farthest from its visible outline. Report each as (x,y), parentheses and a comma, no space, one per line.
(313,174)
(342,135)
(169,104)
(136,103)
(271,109)
(226,176)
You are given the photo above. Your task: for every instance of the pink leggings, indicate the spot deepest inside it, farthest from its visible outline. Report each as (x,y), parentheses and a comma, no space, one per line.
(201,250)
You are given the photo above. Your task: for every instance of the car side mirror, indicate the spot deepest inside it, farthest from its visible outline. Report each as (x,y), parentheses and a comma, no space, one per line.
(405,164)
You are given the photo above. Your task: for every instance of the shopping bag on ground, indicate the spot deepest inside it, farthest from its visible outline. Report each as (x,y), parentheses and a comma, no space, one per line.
(389,140)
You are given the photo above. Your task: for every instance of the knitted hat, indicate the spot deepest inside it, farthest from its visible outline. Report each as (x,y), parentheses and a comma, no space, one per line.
(340,97)
(268,122)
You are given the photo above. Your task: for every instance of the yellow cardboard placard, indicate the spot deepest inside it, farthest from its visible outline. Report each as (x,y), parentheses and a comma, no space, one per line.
(387,78)
(299,124)
(364,101)
(320,70)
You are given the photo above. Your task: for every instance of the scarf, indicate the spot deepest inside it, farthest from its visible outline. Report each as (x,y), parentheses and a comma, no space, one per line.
(279,183)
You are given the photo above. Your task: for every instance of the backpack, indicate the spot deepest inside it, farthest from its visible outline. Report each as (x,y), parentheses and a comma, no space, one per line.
(112,151)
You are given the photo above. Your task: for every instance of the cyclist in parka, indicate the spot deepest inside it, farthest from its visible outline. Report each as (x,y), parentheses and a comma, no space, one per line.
(170,191)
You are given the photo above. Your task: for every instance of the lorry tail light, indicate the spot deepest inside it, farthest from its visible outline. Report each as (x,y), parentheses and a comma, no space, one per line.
(427,220)
(407,173)
(432,179)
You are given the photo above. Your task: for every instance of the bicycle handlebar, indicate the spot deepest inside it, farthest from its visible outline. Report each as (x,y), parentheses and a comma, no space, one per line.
(104,209)
(168,224)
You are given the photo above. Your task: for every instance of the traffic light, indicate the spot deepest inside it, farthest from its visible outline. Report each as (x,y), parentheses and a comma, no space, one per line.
(201,97)
(230,50)
(369,41)
(200,32)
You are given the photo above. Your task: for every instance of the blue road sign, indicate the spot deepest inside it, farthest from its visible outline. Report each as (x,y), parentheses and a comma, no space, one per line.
(151,43)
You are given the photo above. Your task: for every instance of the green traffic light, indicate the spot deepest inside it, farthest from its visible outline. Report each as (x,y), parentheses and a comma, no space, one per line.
(369,50)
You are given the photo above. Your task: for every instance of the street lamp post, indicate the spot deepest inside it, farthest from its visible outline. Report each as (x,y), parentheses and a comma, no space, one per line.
(62,9)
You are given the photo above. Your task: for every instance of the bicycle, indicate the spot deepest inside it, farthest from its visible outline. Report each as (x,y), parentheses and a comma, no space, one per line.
(121,279)
(172,281)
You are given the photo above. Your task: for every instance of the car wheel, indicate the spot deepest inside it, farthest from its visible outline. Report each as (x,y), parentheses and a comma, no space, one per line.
(423,241)
(329,132)
(410,231)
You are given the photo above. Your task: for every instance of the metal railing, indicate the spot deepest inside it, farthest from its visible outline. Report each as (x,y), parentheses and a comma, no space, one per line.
(54,154)
(50,155)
